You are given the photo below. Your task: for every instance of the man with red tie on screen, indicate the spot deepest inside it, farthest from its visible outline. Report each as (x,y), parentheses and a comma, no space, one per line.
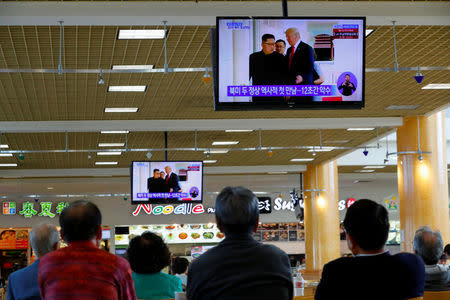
(300,58)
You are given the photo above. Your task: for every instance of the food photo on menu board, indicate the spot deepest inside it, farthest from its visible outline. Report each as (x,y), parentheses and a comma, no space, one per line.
(290,62)
(162,182)
(13,239)
(293,235)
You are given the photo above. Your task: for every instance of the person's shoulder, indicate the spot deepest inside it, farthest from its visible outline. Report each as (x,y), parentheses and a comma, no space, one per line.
(271,249)
(409,260)
(121,262)
(338,263)
(255,54)
(172,278)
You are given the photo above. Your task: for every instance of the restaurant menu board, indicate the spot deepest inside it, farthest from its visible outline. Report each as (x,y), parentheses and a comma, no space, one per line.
(13,239)
(176,233)
(280,232)
(394,233)
(196,251)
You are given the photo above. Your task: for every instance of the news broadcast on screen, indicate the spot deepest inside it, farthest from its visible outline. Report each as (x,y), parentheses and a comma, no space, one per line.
(290,63)
(166,182)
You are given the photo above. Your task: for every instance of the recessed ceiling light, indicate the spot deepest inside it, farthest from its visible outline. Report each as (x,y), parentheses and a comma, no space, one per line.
(374,167)
(275,173)
(8,165)
(109,153)
(141,34)
(5,155)
(239,130)
(106,162)
(127,88)
(211,161)
(302,159)
(111,144)
(337,142)
(365,171)
(402,107)
(132,67)
(225,143)
(360,129)
(4,146)
(369,32)
(216,151)
(114,131)
(50,188)
(121,109)
(437,86)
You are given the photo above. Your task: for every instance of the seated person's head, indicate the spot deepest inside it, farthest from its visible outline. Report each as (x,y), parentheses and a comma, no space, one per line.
(366,225)
(44,238)
(180,265)
(148,254)
(81,221)
(443,259)
(428,244)
(237,211)
(447,250)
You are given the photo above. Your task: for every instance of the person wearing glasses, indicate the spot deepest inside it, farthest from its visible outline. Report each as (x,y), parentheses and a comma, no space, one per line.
(267,67)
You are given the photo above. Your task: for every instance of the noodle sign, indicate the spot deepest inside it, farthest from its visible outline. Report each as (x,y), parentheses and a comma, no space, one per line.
(182,209)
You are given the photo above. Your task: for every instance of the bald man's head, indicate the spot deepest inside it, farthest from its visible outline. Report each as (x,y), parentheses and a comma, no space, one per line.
(80,221)
(428,244)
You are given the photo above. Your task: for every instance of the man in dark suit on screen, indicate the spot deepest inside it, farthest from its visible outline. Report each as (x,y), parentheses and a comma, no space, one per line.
(156,184)
(267,67)
(172,181)
(300,61)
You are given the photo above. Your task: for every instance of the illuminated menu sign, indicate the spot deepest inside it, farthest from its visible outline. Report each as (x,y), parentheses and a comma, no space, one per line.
(13,239)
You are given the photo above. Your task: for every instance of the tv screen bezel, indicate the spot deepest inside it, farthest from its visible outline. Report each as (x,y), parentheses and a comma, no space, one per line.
(326,105)
(164,202)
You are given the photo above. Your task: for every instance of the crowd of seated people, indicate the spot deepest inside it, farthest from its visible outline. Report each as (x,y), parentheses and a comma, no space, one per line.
(237,268)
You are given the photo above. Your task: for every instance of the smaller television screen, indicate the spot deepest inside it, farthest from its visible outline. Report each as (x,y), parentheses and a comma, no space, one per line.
(166,182)
(122,230)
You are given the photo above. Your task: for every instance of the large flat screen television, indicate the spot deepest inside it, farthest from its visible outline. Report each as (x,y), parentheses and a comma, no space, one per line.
(289,63)
(162,182)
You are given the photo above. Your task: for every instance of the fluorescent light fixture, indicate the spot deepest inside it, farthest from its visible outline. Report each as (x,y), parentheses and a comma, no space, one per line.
(402,107)
(369,32)
(127,88)
(239,130)
(132,67)
(141,34)
(302,159)
(8,165)
(374,167)
(99,163)
(216,151)
(111,144)
(437,86)
(109,153)
(6,154)
(365,171)
(360,129)
(4,146)
(225,143)
(211,161)
(114,131)
(50,188)
(275,173)
(259,193)
(121,109)
(323,149)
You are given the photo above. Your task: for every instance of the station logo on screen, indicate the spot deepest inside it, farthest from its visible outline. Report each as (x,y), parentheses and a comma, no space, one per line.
(166,182)
(290,63)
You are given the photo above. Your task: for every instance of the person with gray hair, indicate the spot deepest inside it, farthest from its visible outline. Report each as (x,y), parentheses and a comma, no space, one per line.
(428,244)
(239,267)
(23,284)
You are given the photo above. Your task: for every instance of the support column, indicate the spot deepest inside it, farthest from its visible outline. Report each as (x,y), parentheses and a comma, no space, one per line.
(322,241)
(423,185)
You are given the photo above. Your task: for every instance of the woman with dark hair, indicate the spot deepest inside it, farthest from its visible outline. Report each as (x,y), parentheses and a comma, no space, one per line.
(148,255)
(180,268)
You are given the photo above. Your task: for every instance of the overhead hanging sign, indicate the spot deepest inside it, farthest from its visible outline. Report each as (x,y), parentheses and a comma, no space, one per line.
(28,209)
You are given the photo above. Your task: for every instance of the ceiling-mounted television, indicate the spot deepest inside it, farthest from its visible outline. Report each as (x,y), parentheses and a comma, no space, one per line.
(289,63)
(171,182)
